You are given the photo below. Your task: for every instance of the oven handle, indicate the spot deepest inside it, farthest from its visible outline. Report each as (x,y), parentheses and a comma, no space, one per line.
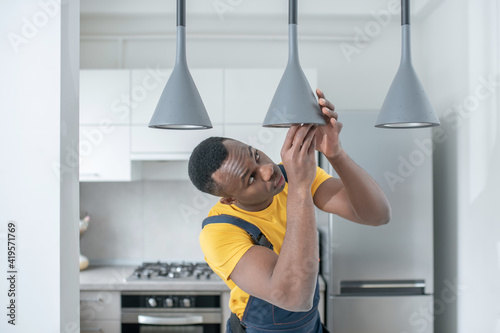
(187,320)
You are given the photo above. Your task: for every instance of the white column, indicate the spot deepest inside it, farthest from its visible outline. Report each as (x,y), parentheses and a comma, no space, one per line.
(462,59)
(479,229)
(39,48)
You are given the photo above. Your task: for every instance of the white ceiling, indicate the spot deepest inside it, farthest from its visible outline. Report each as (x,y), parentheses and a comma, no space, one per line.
(249,7)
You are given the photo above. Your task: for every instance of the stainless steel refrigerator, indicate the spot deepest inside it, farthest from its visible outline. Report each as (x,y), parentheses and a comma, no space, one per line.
(380,279)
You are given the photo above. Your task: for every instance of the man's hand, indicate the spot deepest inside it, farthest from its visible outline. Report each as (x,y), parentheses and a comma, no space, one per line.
(355,196)
(298,154)
(327,137)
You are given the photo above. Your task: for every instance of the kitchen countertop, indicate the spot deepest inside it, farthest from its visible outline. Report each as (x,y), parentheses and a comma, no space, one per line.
(113,278)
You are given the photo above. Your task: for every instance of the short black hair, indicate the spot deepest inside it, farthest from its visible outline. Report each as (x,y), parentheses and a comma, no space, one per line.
(207,157)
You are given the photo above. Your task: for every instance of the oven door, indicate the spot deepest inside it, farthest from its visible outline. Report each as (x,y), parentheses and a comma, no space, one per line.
(159,321)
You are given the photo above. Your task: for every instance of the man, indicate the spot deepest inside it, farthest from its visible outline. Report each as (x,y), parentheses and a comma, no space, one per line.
(274,288)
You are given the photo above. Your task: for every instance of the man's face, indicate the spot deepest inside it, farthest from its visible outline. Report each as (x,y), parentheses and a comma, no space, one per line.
(248,177)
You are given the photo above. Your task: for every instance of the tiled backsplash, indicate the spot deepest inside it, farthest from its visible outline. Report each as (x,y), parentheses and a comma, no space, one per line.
(147,220)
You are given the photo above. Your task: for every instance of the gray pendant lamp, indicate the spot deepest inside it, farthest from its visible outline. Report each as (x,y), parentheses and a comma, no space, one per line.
(294,102)
(406,104)
(180,105)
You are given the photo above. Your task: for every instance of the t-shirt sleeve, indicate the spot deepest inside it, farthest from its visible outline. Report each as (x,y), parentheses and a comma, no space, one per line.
(321,176)
(223,246)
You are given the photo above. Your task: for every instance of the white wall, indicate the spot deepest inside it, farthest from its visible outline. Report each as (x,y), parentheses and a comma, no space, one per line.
(140,221)
(39,90)
(461,52)
(442,53)
(479,237)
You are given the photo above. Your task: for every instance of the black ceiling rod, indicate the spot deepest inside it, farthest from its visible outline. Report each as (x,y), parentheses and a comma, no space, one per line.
(181,13)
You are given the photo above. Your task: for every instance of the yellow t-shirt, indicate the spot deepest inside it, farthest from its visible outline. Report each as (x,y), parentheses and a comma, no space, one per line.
(224,244)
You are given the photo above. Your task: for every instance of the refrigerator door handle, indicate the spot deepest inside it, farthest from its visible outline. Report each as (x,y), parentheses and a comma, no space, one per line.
(392,285)
(382,287)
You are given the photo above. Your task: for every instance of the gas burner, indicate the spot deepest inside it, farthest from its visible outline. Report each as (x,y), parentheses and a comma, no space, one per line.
(166,271)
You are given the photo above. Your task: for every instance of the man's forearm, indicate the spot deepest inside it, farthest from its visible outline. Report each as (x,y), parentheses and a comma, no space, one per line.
(367,198)
(297,268)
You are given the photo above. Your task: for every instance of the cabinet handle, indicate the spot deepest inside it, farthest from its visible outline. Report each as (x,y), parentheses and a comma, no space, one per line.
(187,320)
(90,174)
(92,299)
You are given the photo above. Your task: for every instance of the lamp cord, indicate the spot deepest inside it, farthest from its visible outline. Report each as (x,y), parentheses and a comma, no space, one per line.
(181,13)
(405,12)
(292,12)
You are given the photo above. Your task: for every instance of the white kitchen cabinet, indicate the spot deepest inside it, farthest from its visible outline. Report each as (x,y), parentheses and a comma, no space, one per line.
(99,305)
(210,84)
(146,88)
(148,84)
(104,96)
(105,154)
(266,139)
(124,100)
(158,144)
(100,311)
(101,326)
(247,96)
(249,92)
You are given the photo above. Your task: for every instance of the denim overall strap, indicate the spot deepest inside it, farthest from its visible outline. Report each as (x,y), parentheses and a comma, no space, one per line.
(282,168)
(257,236)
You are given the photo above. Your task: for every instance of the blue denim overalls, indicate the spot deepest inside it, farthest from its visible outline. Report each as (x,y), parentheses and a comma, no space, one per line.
(262,316)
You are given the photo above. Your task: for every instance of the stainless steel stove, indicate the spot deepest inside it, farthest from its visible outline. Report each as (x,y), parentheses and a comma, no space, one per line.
(173,310)
(166,271)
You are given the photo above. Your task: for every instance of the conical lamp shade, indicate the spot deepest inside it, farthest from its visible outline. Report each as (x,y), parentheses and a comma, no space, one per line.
(406,104)
(294,102)
(180,105)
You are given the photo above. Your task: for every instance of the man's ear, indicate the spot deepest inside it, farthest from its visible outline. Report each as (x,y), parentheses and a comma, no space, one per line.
(227,200)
